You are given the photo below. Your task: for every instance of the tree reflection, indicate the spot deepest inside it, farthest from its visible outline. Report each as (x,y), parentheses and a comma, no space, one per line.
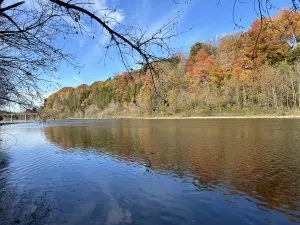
(243,157)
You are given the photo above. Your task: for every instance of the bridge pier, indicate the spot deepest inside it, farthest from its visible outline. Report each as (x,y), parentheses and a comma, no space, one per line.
(27,116)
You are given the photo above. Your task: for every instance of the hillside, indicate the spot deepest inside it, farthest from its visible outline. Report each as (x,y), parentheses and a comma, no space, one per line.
(254,72)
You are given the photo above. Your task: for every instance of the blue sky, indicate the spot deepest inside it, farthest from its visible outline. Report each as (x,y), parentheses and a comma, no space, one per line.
(207,18)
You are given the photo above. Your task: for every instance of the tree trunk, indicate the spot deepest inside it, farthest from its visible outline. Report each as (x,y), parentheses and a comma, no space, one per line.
(287,100)
(299,95)
(294,94)
(274,99)
(237,97)
(244,98)
(295,39)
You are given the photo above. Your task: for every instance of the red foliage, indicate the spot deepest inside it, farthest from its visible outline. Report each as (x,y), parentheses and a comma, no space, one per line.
(200,65)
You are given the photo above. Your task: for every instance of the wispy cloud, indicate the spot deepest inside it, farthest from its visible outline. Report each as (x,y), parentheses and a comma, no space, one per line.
(93,48)
(77,78)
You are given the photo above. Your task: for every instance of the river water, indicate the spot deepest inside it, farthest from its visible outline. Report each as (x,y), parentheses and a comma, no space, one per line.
(216,171)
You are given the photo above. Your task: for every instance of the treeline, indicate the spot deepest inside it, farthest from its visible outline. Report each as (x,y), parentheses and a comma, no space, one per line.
(254,72)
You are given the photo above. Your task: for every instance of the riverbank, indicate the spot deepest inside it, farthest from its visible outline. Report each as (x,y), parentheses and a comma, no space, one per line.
(202,114)
(217,117)
(194,117)
(169,118)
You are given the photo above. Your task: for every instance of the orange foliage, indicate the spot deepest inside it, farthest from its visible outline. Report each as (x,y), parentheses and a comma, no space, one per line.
(288,22)
(261,44)
(200,65)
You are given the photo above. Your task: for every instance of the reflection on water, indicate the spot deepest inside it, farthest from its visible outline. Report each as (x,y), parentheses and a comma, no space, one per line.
(159,172)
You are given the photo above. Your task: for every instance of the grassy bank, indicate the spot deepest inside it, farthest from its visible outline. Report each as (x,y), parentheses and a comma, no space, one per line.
(191,118)
(195,114)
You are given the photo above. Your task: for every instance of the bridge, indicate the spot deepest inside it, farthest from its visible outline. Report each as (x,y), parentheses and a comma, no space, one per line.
(18,115)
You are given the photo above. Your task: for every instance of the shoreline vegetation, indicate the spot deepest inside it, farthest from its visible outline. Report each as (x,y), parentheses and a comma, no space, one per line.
(193,117)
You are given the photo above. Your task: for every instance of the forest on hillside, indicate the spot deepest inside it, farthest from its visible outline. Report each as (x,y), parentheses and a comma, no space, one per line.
(245,73)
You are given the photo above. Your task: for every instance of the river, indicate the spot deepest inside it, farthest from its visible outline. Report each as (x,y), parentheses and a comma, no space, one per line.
(218,171)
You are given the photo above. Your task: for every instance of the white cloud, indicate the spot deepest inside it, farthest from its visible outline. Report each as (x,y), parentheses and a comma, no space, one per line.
(103,9)
(77,78)
(113,16)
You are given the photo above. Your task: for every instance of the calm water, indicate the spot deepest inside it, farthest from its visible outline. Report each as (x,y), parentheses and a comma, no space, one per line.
(151,172)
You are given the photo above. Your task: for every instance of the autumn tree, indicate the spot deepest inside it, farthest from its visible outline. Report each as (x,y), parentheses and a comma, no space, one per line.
(200,61)
(261,44)
(288,24)
(228,51)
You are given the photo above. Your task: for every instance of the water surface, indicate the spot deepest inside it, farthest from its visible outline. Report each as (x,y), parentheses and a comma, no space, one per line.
(225,171)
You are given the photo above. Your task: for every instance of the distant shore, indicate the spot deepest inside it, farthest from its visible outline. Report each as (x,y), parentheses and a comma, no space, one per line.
(169,118)
(219,117)
(193,117)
